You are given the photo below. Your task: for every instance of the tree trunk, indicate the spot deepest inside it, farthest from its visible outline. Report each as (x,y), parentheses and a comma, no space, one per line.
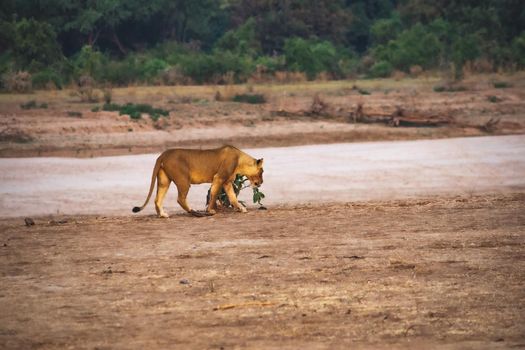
(116,40)
(93,37)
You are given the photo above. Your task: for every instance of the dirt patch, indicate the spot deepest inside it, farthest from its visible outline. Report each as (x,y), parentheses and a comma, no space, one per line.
(444,272)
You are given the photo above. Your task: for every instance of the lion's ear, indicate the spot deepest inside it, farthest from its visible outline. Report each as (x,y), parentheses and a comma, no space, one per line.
(260,162)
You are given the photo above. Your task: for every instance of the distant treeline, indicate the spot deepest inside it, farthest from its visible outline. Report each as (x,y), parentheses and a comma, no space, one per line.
(122,42)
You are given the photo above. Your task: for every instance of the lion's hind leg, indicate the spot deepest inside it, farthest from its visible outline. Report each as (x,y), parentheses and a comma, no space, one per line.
(163,184)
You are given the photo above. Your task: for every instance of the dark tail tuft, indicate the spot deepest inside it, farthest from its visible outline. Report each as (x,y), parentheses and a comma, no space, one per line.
(136,209)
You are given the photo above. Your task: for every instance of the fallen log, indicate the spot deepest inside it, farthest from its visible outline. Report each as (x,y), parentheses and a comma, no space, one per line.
(400,117)
(422,121)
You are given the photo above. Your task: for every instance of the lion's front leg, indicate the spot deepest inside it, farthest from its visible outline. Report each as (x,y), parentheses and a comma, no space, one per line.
(214,192)
(228,188)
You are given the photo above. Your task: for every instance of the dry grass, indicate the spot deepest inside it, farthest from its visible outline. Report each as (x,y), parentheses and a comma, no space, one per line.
(302,87)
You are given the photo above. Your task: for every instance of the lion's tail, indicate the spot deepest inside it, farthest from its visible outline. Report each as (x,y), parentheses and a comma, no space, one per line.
(156,169)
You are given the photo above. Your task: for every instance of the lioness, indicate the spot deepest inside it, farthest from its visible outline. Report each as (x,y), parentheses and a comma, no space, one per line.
(216,166)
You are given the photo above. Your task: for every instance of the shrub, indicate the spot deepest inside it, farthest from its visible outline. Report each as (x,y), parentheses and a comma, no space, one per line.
(349,67)
(173,76)
(45,78)
(86,89)
(32,104)
(108,95)
(17,82)
(206,68)
(200,68)
(250,98)
(501,84)
(270,64)
(494,99)
(122,73)
(414,46)
(311,57)
(415,70)
(74,114)
(381,69)
(135,110)
(90,62)
(449,88)
(152,68)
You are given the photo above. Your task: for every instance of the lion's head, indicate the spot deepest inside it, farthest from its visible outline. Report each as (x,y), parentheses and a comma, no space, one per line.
(255,173)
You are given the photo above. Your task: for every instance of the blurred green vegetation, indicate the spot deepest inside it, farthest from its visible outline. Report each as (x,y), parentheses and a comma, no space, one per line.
(170,42)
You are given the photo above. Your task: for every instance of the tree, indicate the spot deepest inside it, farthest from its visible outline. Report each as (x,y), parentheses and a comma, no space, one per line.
(414,46)
(241,41)
(386,29)
(276,21)
(35,45)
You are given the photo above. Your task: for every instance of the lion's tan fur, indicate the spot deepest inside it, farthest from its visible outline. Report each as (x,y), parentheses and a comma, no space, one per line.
(188,166)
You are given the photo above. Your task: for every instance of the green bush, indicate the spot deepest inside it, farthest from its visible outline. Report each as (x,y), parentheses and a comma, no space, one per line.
(152,68)
(122,73)
(42,79)
(449,88)
(199,67)
(205,68)
(501,84)
(135,111)
(271,64)
(35,45)
(414,46)
(32,104)
(381,69)
(311,57)
(250,98)
(90,62)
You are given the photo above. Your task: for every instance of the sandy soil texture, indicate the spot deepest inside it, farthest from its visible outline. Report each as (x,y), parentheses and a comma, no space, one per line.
(375,245)
(420,274)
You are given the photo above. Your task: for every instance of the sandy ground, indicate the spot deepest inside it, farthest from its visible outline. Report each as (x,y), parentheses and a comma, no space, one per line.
(443,273)
(377,245)
(305,174)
